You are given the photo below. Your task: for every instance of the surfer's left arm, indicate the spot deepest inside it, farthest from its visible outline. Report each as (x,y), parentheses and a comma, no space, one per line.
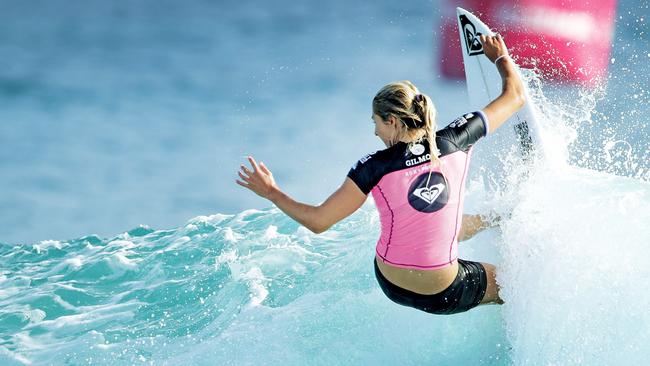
(342,203)
(512,96)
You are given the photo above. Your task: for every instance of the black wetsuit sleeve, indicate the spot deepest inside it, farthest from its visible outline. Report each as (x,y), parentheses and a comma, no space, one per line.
(464,131)
(363,174)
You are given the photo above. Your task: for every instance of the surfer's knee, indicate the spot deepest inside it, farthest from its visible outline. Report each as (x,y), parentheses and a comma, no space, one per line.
(492,289)
(474,224)
(471,225)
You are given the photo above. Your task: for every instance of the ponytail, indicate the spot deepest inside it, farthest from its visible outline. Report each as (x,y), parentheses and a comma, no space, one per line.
(415,110)
(424,107)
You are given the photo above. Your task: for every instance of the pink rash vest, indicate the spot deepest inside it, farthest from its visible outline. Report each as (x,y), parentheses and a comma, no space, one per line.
(419,222)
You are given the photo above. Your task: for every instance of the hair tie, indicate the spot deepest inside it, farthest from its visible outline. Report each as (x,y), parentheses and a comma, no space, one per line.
(419,97)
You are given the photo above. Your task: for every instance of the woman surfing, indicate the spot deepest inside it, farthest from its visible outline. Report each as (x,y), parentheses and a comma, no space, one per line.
(418,184)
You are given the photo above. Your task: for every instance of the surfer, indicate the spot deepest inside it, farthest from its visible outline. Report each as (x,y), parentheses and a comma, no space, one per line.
(417,183)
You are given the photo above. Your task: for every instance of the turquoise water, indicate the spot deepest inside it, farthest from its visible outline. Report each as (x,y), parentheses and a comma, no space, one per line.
(256,288)
(250,286)
(224,289)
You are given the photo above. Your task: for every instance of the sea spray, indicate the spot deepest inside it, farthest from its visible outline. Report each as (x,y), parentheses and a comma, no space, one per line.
(574,268)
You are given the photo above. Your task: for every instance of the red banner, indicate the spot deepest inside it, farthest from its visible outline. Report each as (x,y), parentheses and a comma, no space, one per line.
(566,40)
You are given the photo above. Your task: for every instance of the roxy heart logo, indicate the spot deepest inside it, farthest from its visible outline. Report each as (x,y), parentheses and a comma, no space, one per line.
(472,42)
(429,194)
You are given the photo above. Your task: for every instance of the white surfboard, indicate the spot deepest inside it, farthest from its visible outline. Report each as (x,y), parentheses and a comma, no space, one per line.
(521,136)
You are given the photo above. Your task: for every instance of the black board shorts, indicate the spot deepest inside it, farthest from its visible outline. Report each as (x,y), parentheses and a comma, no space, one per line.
(464,293)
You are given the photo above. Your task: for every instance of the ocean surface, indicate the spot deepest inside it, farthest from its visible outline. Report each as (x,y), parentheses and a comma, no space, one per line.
(124,239)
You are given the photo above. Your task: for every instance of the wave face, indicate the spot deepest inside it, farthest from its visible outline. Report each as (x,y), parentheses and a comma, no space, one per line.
(257,288)
(237,289)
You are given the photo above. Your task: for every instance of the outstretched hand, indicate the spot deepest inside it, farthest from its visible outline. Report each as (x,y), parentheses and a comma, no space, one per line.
(259,180)
(493,46)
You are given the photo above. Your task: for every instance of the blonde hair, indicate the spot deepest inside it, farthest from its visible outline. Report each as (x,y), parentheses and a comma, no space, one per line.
(414,110)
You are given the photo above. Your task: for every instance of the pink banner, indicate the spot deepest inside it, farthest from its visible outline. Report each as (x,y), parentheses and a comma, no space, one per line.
(566,40)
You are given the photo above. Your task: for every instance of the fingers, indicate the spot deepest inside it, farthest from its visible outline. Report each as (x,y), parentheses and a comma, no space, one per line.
(493,46)
(252,178)
(264,168)
(253,163)
(484,38)
(245,170)
(256,167)
(497,37)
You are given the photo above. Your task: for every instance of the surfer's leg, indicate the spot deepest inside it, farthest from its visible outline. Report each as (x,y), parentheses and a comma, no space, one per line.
(492,291)
(472,225)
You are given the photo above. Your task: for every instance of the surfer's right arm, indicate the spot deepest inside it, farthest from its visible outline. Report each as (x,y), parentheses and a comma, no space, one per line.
(512,96)
(341,204)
